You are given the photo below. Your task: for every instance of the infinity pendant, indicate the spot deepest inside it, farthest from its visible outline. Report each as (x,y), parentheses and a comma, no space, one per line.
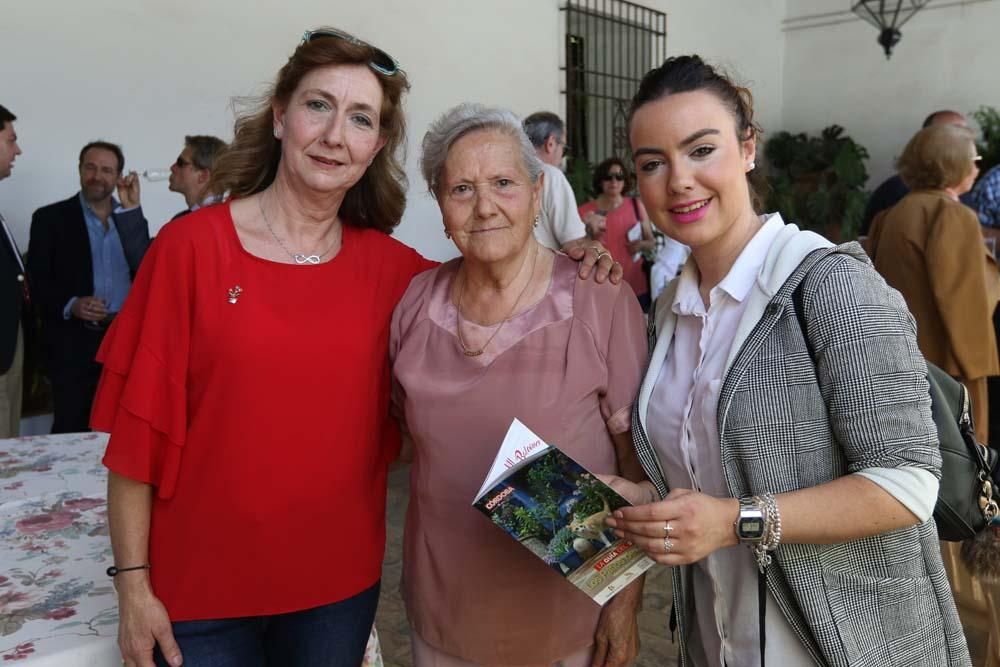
(305,259)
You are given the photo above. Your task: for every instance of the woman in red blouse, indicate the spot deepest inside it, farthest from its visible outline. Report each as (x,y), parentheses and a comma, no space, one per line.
(246,383)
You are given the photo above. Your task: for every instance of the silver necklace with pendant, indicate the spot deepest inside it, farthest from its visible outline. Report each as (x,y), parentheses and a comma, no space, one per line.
(297,257)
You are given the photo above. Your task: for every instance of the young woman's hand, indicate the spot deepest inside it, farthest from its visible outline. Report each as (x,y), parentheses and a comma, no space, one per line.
(682,528)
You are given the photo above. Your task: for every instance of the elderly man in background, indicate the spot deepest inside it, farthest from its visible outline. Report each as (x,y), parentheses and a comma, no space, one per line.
(559,223)
(13,297)
(192,171)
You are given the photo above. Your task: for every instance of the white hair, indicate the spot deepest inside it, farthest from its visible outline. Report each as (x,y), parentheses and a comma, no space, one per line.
(458,121)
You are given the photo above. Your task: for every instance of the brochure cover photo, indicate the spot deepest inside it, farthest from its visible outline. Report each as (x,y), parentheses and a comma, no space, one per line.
(556,509)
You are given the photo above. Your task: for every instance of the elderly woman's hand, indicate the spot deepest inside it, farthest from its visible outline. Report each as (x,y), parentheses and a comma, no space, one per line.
(682,528)
(616,642)
(590,253)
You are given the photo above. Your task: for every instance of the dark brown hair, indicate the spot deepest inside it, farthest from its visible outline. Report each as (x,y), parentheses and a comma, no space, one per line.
(107,146)
(5,117)
(603,169)
(684,74)
(250,163)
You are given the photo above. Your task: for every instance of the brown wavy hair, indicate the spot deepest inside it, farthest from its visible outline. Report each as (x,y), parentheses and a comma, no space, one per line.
(683,74)
(250,163)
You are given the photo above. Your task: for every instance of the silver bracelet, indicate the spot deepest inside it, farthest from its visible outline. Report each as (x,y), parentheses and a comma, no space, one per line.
(772,521)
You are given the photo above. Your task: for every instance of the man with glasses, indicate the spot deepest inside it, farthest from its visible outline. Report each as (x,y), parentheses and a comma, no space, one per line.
(14,297)
(82,256)
(191,173)
(559,224)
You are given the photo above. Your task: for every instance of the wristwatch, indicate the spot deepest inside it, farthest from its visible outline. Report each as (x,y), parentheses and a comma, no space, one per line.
(749,525)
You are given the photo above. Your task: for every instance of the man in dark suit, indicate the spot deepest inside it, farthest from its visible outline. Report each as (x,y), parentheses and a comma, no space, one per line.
(13,295)
(82,257)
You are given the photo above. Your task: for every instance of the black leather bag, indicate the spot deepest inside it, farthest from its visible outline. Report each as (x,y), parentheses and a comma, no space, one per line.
(969,472)
(966,503)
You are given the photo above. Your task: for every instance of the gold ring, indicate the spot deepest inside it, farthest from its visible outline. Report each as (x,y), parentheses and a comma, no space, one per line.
(602,253)
(668,544)
(595,248)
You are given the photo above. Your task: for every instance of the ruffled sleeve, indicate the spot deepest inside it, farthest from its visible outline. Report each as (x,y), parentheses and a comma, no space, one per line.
(142,396)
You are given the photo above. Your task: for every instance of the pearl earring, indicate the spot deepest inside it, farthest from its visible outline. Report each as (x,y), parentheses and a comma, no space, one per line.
(538,218)
(753,165)
(277,133)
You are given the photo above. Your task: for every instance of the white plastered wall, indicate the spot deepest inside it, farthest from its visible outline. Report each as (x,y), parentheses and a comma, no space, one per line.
(743,37)
(144,74)
(836,73)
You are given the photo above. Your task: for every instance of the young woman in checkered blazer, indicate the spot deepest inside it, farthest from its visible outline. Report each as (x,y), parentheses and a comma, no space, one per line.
(785,409)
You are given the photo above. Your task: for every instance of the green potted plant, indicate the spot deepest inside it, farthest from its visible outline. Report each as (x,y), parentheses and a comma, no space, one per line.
(818,182)
(988,119)
(579,172)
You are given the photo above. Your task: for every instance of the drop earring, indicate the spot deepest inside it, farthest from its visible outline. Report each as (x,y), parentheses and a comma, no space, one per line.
(538,218)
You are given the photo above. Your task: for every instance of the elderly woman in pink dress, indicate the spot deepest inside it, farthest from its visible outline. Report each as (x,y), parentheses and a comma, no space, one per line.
(504,331)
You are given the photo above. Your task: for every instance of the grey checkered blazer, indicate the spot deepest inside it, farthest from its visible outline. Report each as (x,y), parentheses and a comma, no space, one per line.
(785,424)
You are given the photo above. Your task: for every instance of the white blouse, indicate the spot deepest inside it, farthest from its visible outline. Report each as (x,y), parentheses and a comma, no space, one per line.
(682,426)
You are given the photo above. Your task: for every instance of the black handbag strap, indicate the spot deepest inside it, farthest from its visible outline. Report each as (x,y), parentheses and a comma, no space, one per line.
(762,608)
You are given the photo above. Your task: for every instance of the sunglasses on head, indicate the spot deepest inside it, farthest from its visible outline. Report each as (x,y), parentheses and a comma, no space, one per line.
(380,61)
(614,176)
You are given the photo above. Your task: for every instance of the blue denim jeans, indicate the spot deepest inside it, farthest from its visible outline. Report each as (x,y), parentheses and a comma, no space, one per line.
(334,635)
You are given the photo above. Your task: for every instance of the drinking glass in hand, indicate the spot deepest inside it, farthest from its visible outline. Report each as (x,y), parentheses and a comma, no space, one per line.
(101,324)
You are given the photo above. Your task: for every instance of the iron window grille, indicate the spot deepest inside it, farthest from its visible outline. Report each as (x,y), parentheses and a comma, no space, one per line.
(610,45)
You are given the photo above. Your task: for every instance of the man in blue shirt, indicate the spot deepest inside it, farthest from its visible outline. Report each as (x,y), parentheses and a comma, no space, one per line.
(82,256)
(985,198)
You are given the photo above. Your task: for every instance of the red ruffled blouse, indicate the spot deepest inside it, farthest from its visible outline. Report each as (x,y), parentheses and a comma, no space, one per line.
(254,396)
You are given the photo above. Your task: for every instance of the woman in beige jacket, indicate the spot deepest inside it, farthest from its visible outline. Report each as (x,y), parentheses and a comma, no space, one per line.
(930,247)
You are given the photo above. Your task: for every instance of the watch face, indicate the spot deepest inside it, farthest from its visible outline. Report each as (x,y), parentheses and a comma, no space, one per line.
(749,528)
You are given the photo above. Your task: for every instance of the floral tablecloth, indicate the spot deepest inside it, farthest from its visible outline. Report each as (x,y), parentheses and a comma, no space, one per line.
(57,606)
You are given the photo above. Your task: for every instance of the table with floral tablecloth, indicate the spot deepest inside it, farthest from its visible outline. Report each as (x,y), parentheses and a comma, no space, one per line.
(57,605)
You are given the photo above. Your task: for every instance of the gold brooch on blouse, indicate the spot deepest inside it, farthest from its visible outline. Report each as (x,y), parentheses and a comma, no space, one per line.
(234,293)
